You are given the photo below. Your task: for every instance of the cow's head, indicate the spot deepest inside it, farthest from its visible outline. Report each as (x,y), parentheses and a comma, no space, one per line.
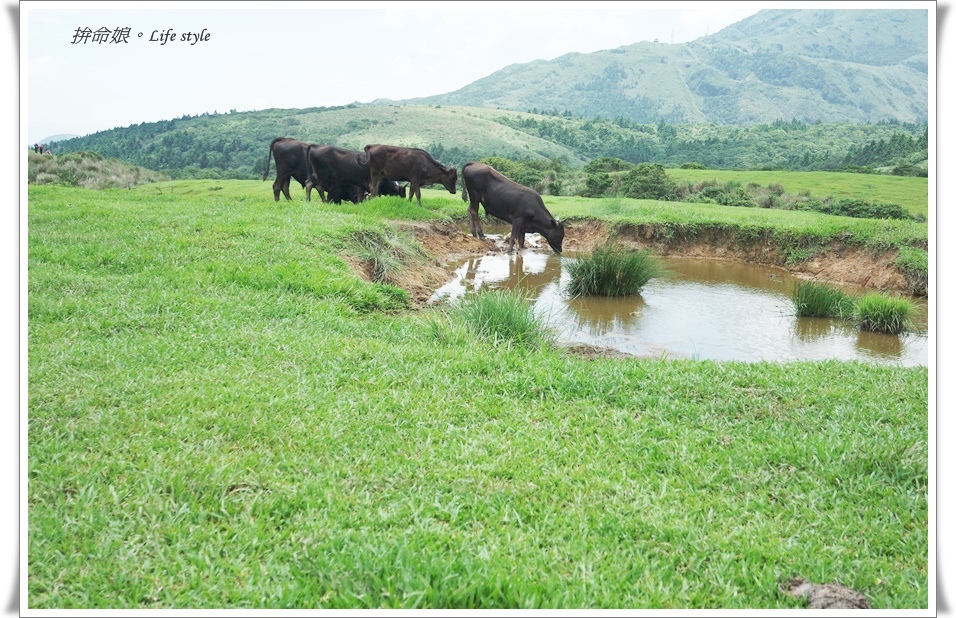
(449,179)
(554,234)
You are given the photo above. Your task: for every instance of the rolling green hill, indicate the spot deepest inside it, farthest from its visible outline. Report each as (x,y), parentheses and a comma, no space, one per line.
(236,145)
(831,66)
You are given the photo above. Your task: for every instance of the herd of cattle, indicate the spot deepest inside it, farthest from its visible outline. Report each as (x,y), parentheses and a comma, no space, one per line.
(340,174)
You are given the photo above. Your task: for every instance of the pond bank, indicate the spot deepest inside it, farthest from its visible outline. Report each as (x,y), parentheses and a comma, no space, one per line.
(839,263)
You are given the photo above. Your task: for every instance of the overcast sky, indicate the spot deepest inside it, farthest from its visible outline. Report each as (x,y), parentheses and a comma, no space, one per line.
(310,54)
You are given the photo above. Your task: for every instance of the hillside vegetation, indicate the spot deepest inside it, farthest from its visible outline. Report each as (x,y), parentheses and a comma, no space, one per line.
(236,145)
(87,169)
(829,66)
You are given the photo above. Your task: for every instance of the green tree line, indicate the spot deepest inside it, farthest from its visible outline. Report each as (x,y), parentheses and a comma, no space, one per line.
(235,145)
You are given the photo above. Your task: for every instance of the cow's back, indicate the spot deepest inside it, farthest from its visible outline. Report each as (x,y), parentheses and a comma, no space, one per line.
(336,165)
(290,157)
(501,196)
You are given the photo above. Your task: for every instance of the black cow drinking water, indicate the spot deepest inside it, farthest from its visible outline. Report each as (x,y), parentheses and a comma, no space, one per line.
(505,199)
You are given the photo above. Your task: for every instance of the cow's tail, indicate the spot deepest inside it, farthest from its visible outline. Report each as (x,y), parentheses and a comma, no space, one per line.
(308,161)
(464,187)
(269,158)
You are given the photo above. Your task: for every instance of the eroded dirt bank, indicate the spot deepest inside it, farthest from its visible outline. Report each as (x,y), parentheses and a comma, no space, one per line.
(842,264)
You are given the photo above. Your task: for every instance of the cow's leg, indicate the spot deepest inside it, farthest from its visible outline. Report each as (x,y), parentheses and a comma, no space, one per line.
(285,188)
(517,233)
(476,230)
(374,181)
(276,188)
(308,190)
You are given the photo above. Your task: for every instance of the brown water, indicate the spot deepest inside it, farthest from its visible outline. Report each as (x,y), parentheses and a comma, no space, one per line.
(706,309)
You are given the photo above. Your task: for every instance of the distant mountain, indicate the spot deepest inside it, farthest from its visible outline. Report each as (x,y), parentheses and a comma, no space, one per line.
(56,138)
(829,66)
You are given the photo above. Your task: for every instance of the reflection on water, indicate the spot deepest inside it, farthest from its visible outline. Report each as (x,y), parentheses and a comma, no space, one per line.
(705,309)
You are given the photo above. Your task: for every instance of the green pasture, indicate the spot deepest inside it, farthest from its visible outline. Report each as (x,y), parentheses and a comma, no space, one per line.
(800,228)
(909,192)
(222,414)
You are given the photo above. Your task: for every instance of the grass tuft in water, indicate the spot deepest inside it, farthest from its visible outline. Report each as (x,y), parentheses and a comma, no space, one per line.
(819,300)
(503,316)
(883,314)
(612,270)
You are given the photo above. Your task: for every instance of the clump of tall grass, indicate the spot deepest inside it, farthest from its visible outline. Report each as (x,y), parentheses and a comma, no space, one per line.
(612,270)
(872,311)
(883,314)
(503,317)
(820,300)
(386,254)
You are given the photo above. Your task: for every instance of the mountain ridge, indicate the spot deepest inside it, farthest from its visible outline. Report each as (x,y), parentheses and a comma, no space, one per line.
(812,65)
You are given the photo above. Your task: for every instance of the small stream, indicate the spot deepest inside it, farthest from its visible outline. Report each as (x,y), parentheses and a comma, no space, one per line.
(706,310)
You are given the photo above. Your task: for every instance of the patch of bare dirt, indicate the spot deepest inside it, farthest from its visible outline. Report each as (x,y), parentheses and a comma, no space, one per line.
(445,242)
(594,352)
(825,596)
(591,352)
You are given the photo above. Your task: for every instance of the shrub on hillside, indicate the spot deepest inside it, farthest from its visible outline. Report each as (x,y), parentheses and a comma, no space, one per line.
(861,209)
(597,185)
(907,169)
(607,164)
(541,175)
(648,181)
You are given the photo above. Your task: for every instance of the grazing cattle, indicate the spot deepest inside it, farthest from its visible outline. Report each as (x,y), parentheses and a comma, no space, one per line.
(505,199)
(291,162)
(413,165)
(344,174)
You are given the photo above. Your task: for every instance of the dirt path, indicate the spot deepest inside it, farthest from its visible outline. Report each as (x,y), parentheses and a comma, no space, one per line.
(842,264)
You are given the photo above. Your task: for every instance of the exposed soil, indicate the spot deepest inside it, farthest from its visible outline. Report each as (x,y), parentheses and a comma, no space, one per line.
(825,596)
(841,264)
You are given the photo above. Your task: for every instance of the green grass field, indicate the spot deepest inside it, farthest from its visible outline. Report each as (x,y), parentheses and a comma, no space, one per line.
(909,192)
(223,415)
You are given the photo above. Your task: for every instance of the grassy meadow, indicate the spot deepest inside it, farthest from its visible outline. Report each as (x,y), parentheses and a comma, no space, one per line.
(222,414)
(909,192)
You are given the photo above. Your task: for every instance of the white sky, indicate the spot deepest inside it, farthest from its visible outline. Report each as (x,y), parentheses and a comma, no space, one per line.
(310,54)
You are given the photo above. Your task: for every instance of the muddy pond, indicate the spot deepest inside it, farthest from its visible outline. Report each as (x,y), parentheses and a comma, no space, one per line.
(704,310)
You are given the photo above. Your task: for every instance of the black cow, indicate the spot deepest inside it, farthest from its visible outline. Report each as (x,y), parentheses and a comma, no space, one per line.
(408,164)
(505,199)
(291,162)
(344,174)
